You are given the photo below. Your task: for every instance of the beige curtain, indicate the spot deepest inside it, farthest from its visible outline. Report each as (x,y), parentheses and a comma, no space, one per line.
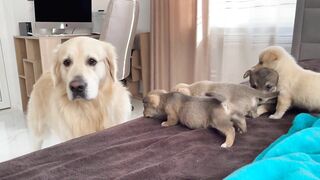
(178,42)
(216,40)
(239,30)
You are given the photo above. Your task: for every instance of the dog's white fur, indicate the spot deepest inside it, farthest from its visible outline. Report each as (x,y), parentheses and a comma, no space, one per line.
(51,106)
(297,86)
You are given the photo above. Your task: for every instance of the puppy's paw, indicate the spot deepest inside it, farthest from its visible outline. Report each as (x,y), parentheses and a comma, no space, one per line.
(164,124)
(275,116)
(261,110)
(239,130)
(225,145)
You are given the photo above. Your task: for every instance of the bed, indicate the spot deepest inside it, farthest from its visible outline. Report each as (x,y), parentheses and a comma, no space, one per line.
(142,149)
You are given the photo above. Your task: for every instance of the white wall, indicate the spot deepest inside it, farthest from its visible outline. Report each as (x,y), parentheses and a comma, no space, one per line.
(99,5)
(24,11)
(14,11)
(8,29)
(144,17)
(144,13)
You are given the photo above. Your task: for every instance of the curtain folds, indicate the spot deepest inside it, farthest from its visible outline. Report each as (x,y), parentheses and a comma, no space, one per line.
(217,40)
(172,42)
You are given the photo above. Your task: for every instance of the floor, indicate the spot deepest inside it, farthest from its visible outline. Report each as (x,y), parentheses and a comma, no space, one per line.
(14,135)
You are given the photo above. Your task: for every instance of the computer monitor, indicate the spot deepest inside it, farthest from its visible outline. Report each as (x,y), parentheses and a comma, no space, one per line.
(63,14)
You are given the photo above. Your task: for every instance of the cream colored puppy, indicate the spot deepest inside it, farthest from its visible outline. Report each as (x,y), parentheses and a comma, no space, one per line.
(297,86)
(81,94)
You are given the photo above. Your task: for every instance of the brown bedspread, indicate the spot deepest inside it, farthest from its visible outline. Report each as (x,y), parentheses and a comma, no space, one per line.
(141,149)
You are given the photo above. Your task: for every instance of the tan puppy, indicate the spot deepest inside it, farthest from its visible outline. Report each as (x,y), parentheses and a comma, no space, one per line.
(240,97)
(194,112)
(297,86)
(81,94)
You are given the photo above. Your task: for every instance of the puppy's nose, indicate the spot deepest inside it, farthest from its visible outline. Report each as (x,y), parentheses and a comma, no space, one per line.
(78,85)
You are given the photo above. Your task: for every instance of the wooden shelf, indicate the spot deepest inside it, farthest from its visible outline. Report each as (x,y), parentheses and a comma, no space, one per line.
(23,90)
(137,67)
(21,52)
(29,76)
(26,60)
(22,76)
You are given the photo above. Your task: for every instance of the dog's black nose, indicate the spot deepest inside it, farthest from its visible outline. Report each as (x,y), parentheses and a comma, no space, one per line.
(78,85)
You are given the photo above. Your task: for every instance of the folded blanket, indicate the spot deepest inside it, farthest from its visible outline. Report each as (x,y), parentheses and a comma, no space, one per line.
(295,155)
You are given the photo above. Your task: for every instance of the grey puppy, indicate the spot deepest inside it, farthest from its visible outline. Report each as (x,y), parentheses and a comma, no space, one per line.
(194,112)
(265,80)
(239,97)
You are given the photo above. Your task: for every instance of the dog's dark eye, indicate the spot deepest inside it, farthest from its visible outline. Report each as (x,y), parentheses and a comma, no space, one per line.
(268,87)
(67,62)
(254,86)
(92,62)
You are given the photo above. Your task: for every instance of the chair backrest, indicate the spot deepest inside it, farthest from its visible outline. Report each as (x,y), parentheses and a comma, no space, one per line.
(119,29)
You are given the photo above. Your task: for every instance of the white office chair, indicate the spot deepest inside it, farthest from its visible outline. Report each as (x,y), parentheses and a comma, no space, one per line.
(119,29)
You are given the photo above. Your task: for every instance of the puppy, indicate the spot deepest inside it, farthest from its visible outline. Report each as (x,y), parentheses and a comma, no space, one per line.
(240,97)
(265,80)
(81,94)
(194,112)
(297,86)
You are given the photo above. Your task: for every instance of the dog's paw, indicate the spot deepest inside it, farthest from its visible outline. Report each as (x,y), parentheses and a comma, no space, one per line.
(275,116)
(164,124)
(239,130)
(225,145)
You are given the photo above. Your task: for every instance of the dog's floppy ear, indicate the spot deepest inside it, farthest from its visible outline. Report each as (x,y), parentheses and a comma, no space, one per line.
(268,55)
(154,100)
(55,69)
(247,73)
(111,60)
(185,91)
(182,88)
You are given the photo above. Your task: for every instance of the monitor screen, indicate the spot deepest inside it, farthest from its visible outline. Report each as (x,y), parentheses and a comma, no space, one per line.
(63,10)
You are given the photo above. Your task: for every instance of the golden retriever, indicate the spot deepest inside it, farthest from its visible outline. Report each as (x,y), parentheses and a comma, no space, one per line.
(297,86)
(81,94)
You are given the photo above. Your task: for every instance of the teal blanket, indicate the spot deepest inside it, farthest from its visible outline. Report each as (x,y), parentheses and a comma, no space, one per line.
(295,155)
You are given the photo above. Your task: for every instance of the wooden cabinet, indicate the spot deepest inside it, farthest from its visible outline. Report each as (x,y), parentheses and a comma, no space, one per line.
(34,56)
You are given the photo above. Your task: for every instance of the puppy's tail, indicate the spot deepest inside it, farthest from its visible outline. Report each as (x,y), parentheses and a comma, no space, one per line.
(216,96)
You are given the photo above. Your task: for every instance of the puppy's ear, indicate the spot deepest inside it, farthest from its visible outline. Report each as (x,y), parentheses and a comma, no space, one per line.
(184,90)
(145,100)
(56,68)
(154,100)
(111,60)
(247,73)
(268,55)
(162,91)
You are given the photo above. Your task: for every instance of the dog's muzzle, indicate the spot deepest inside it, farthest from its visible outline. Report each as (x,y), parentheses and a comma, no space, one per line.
(78,87)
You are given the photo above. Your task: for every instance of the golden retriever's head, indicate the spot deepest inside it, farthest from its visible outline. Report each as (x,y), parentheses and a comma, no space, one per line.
(83,65)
